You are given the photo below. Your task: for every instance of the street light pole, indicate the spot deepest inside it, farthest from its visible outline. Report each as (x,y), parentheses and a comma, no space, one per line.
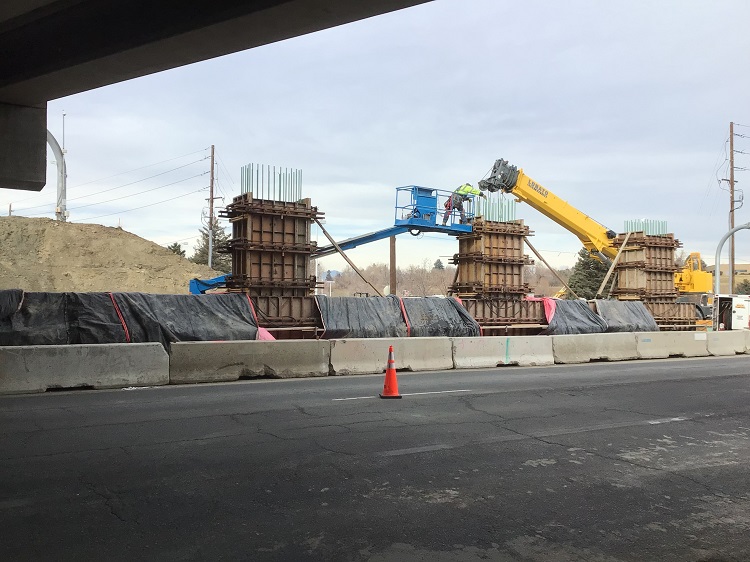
(717,271)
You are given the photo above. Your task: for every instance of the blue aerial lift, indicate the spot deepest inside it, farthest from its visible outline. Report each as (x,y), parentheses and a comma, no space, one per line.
(418,209)
(201,286)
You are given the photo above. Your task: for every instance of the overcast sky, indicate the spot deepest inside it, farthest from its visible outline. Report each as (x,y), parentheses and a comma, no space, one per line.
(622,109)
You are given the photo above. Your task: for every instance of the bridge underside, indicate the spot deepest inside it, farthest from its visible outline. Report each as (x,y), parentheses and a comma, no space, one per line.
(55,48)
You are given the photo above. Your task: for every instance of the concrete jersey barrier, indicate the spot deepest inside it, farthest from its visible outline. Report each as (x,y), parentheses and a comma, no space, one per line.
(726,343)
(582,348)
(660,345)
(192,362)
(362,356)
(25,369)
(495,351)
(37,368)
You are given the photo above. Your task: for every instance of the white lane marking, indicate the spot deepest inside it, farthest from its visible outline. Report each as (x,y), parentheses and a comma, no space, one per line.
(435,392)
(404,394)
(666,420)
(412,450)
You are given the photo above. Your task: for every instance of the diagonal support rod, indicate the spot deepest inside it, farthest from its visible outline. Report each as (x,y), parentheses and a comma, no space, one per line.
(343,255)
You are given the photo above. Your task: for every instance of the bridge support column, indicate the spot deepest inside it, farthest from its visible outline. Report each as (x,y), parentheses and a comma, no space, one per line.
(23,147)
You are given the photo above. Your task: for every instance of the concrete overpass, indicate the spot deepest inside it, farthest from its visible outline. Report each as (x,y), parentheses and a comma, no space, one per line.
(55,48)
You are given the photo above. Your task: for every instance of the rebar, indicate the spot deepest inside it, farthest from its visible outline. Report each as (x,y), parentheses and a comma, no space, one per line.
(271,182)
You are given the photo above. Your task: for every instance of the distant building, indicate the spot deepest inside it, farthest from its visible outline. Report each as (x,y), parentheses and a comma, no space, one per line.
(741,273)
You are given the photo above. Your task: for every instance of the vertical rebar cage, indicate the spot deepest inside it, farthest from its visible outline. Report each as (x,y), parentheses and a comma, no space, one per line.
(275,183)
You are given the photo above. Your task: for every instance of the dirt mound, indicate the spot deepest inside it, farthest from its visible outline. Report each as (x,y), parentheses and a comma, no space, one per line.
(47,255)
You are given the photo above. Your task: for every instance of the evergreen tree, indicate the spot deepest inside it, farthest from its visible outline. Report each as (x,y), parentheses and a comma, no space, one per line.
(177,249)
(221,262)
(329,277)
(743,287)
(587,274)
(438,265)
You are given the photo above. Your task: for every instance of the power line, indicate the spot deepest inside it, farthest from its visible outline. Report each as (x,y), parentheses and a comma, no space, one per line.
(716,169)
(134,194)
(141,168)
(186,239)
(139,193)
(226,170)
(119,174)
(138,181)
(112,188)
(144,206)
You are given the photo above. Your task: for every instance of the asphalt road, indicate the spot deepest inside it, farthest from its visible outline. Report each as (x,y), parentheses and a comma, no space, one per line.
(606,462)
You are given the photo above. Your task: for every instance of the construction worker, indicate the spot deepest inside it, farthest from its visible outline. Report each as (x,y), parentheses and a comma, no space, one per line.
(456,201)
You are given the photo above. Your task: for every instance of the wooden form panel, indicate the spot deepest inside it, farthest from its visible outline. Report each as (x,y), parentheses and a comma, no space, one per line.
(244,205)
(491,261)
(493,245)
(268,267)
(515,330)
(480,277)
(646,267)
(653,258)
(277,312)
(481,226)
(271,246)
(278,231)
(501,311)
(271,289)
(642,239)
(641,283)
(671,313)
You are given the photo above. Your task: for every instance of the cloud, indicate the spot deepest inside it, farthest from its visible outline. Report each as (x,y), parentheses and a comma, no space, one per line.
(622,109)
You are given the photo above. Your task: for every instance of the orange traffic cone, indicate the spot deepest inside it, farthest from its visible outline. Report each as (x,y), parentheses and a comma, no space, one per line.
(390,388)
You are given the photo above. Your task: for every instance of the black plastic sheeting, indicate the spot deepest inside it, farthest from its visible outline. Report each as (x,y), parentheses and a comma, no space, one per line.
(10,302)
(381,317)
(573,317)
(626,316)
(80,318)
(41,320)
(361,317)
(437,316)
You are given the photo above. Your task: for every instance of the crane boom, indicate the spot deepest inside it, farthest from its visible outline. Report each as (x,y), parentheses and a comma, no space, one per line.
(595,237)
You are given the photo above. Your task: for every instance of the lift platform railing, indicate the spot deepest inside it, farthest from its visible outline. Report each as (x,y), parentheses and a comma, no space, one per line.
(425,207)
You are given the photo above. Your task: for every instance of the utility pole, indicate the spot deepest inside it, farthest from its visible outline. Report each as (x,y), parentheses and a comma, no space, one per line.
(211,213)
(393,288)
(731,207)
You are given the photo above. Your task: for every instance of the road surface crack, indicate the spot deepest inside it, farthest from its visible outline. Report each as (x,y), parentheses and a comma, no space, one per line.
(632,412)
(334,451)
(110,498)
(304,412)
(619,459)
(467,402)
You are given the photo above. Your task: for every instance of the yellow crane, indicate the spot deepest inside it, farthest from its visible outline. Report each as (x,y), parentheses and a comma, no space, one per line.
(594,236)
(692,278)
